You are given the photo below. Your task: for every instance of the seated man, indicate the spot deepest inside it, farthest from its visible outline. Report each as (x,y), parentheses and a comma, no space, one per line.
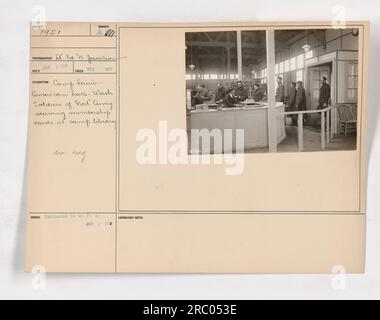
(202,95)
(240,92)
(221,92)
(229,100)
(258,94)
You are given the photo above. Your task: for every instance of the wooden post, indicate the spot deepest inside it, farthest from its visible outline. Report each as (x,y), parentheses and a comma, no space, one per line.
(239,55)
(300,132)
(323,134)
(228,65)
(272,132)
(328,126)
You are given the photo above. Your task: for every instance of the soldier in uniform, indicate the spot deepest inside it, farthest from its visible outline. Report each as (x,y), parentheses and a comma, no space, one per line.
(220,92)
(202,95)
(292,101)
(324,94)
(258,94)
(240,92)
(280,91)
(229,100)
(300,103)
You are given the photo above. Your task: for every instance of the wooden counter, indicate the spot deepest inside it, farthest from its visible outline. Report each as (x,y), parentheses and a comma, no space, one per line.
(253,119)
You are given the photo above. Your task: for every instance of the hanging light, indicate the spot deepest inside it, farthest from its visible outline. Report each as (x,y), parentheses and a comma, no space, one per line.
(192,66)
(306,47)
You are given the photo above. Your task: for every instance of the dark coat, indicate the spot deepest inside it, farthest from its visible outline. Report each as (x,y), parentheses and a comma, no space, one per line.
(220,93)
(324,95)
(292,96)
(258,95)
(280,93)
(201,96)
(301,99)
(229,101)
(241,94)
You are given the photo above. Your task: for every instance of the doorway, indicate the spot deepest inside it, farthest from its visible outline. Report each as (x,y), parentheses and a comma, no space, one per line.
(315,76)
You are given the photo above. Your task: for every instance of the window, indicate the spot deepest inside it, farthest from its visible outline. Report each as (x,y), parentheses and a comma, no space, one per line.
(287,67)
(281,67)
(276,69)
(300,61)
(300,75)
(352,81)
(309,54)
(206,77)
(188,77)
(293,64)
(213,76)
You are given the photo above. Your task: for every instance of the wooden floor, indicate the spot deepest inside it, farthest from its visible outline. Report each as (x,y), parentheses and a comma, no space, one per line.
(312,142)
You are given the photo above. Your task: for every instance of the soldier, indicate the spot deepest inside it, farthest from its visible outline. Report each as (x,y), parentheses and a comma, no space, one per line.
(220,92)
(292,101)
(280,91)
(201,95)
(229,100)
(258,94)
(240,92)
(300,103)
(324,94)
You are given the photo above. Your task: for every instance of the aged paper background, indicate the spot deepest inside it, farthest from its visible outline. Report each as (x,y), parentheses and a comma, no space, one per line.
(309,223)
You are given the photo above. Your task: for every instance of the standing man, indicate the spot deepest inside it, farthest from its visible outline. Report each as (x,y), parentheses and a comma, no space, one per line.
(220,92)
(324,94)
(292,101)
(240,92)
(300,103)
(280,91)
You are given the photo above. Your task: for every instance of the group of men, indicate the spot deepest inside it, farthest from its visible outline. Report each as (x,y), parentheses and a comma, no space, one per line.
(230,98)
(297,97)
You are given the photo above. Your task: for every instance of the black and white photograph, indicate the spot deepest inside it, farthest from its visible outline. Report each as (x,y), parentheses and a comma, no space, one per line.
(286,91)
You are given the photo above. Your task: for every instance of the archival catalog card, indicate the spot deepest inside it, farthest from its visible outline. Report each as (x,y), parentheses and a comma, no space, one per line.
(197,148)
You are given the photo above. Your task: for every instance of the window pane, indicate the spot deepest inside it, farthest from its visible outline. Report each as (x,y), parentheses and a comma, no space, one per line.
(352,82)
(299,75)
(287,67)
(309,54)
(353,69)
(281,67)
(293,64)
(300,61)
